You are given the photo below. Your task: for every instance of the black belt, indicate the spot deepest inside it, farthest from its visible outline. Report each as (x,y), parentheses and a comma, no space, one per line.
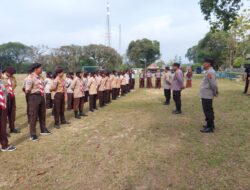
(37,94)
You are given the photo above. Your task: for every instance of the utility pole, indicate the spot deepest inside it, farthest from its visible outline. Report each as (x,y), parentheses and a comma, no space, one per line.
(120,38)
(108,31)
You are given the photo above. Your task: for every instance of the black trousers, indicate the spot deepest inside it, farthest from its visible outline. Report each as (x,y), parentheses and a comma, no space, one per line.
(142,83)
(177,99)
(167,93)
(48,101)
(3,128)
(105,94)
(101,98)
(207,105)
(11,111)
(59,108)
(246,86)
(108,96)
(114,93)
(86,96)
(92,101)
(123,88)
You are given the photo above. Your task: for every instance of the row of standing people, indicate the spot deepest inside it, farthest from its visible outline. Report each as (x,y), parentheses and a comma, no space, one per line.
(146,78)
(54,92)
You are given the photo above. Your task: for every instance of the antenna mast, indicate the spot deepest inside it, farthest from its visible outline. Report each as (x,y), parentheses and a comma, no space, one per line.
(108,32)
(120,38)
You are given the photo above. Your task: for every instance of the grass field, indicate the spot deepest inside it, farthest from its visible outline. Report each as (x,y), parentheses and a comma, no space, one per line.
(136,143)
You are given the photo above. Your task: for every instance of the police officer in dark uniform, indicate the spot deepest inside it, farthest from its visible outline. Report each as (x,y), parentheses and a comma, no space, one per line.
(208,90)
(247,71)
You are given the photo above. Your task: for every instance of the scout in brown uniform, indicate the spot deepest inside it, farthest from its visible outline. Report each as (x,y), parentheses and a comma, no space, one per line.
(3,120)
(47,85)
(92,84)
(108,88)
(70,95)
(158,79)
(118,85)
(78,88)
(101,91)
(149,80)
(113,85)
(142,79)
(10,84)
(58,87)
(86,88)
(36,101)
(123,84)
(127,88)
(26,95)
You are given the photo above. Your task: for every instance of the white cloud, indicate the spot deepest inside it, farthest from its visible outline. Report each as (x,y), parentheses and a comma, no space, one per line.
(177,24)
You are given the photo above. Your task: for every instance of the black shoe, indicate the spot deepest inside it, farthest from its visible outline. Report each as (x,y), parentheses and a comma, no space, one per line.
(77,116)
(83,114)
(207,130)
(14,131)
(91,110)
(57,127)
(177,112)
(46,132)
(10,148)
(34,138)
(65,123)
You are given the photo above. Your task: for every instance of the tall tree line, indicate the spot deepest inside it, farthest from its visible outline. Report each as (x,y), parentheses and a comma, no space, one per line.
(71,57)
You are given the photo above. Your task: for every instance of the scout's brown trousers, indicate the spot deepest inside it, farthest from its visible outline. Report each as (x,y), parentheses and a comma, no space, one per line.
(37,109)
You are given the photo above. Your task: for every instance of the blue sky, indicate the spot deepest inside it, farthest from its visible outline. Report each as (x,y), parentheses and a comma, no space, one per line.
(177,24)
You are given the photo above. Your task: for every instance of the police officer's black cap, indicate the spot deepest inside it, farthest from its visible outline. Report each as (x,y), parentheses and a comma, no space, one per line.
(59,70)
(177,65)
(210,61)
(35,66)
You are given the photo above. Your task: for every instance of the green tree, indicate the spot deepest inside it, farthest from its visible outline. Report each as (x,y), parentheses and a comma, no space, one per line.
(69,56)
(15,54)
(105,57)
(221,13)
(238,62)
(144,49)
(214,45)
(191,54)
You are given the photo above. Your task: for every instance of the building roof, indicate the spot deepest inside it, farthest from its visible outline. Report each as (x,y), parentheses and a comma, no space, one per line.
(153,66)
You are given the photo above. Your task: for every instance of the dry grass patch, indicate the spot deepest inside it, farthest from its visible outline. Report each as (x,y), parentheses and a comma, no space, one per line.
(136,143)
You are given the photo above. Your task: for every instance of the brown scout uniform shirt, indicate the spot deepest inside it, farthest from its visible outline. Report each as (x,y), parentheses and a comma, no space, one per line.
(76,87)
(103,84)
(58,85)
(92,84)
(32,84)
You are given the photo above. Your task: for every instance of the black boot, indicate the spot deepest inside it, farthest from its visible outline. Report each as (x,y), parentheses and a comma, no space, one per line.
(77,116)
(82,114)
(207,130)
